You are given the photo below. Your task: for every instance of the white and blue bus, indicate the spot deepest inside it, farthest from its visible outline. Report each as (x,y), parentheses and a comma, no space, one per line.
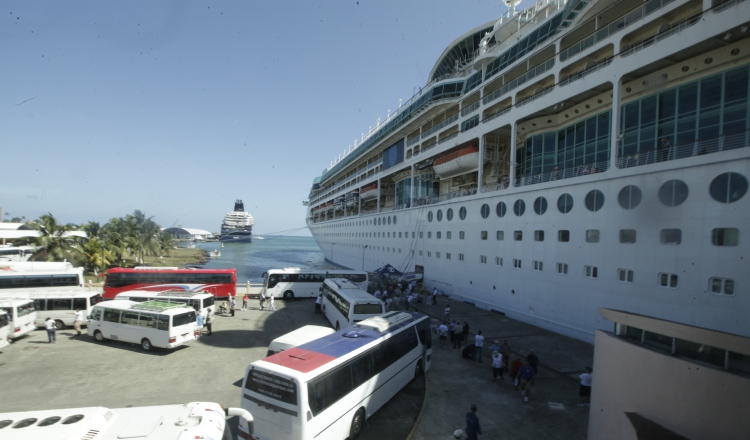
(327,388)
(345,304)
(293,282)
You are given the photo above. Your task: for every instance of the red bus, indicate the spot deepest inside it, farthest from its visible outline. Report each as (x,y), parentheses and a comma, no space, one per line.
(222,283)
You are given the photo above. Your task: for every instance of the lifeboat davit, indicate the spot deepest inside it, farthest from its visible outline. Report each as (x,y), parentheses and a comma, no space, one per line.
(352,198)
(329,206)
(459,162)
(369,192)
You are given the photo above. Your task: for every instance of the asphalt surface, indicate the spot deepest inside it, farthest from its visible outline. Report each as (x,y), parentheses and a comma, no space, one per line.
(79,372)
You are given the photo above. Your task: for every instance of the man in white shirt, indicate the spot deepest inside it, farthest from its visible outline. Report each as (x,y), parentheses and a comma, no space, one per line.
(51,327)
(478,345)
(443,333)
(77,321)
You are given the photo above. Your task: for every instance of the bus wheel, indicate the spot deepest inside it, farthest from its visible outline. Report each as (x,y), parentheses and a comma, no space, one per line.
(337,326)
(59,325)
(146,344)
(98,336)
(288,295)
(358,423)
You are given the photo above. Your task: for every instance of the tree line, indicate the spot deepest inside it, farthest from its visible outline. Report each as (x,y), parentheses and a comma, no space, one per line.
(123,241)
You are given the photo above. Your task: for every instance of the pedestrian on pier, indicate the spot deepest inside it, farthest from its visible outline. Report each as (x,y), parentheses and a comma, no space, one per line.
(505,351)
(533,361)
(261,300)
(585,389)
(472,424)
(457,330)
(209,321)
(443,332)
(232,306)
(478,345)
(271,308)
(245,300)
(318,302)
(526,373)
(497,365)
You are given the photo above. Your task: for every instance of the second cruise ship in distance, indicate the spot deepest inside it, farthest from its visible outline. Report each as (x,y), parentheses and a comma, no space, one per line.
(564,157)
(237,225)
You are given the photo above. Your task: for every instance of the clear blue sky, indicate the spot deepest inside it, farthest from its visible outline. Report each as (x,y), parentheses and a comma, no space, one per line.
(178,108)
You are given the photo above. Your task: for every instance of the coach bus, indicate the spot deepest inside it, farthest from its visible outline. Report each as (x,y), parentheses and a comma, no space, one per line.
(293,282)
(297,337)
(21,313)
(327,388)
(4,329)
(221,283)
(345,304)
(202,302)
(16,253)
(58,304)
(150,324)
(35,275)
(194,420)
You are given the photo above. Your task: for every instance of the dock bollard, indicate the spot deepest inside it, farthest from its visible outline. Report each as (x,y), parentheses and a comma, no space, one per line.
(247,288)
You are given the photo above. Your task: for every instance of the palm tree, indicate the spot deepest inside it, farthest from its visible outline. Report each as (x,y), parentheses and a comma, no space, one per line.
(119,236)
(165,242)
(145,231)
(54,242)
(97,250)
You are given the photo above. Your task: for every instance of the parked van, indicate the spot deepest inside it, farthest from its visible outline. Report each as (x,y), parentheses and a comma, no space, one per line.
(297,337)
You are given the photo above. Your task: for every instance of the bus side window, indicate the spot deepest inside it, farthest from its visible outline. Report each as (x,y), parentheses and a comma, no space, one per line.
(147,320)
(111,315)
(273,280)
(425,337)
(79,303)
(40,304)
(130,318)
(163,322)
(96,314)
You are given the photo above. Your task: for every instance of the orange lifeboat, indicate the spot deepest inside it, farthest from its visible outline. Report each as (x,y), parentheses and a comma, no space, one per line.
(369,192)
(459,162)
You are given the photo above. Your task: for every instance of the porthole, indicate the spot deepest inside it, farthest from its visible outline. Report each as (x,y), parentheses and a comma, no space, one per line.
(673,193)
(519,207)
(389,220)
(449,214)
(485,211)
(629,197)
(565,203)
(49,421)
(685,68)
(394,219)
(708,60)
(728,187)
(735,51)
(500,209)
(540,205)
(73,419)
(4,423)
(429,216)
(440,215)
(378,221)
(594,200)
(24,423)
(462,213)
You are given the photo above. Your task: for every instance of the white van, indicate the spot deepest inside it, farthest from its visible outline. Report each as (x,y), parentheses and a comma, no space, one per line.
(4,329)
(22,315)
(150,324)
(200,300)
(297,337)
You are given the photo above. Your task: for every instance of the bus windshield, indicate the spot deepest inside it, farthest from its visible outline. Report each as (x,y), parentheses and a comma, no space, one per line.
(361,309)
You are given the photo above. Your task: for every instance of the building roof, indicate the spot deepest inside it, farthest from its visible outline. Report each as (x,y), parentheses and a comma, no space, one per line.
(186,231)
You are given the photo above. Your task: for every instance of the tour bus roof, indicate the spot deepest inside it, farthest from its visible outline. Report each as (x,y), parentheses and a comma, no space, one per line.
(157,306)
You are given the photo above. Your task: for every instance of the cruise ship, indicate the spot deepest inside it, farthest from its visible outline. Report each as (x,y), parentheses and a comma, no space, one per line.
(237,225)
(564,157)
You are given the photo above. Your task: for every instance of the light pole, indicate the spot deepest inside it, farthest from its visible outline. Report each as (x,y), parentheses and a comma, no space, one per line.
(363,256)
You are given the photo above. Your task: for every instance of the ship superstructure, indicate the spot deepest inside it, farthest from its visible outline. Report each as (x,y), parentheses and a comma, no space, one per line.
(237,225)
(567,156)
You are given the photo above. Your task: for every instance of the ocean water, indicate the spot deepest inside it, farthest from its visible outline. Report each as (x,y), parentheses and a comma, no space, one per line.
(271,252)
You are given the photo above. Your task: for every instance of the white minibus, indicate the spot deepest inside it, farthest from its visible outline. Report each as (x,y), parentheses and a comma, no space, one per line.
(199,300)
(21,313)
(4,329)
(327,388)
(297,337)
(35,275)
(150,324)
(194,420)
(293,282)
(60,305)
(345,304)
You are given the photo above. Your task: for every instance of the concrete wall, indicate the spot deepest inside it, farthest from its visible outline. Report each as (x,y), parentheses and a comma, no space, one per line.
(692,400)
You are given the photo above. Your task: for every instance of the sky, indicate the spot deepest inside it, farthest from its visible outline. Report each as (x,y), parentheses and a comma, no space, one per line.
(177,108)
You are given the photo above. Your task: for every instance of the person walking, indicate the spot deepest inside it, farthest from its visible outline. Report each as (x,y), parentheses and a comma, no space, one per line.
(443,332)
(232,306)
(447,312)
(245,300)
(473,430)
(209,320)
(457,330)
(585,390)
(515,368)
(51,327)
(478,345)
(271,308)
(533,361)
(505,351)
(434,296)
(451,333)
(465,333)
(497,365)
(77,321)
(199,323)
(318,302)
(526,373)
(261,300)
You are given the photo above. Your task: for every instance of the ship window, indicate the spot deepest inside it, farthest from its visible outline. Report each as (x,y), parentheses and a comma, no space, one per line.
(485,210)
(449,214)
(671,236)
(429,216)
(394,219)
(484,235)
(421,234)
(420,253)
(447,255)
(518,235)
(592,236)
(440,215)
(437,255)
(483,259)
(625,275)
(429,254)
(668,280)
(629,197)
(728,187)
(517,263)
(627,235)
(389,220)
(519,207)
(565,203)
(462,213)
(590,271)
(725,236)
(538,235)
(673,193)
(438,234)
(429,234)
(461,235)
(562,268)
(500,209)
(498,261)
(540,205)
(594,200)
(538,265)
(563,235)
(721,286)
(448,235)
(500,235)
(460,257)
(413,234)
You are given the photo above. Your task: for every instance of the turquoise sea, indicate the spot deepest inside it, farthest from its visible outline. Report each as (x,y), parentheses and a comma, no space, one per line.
(271,252)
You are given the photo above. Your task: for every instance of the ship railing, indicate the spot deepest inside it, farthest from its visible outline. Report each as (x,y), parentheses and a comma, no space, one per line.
(497,115)
(583,73)
(533,73)
(686,149)
(726,5)
(442,124)
(499,186)
(677,27)
(536,96)
(448,138)
(621,23)
(564,173)
(470,109)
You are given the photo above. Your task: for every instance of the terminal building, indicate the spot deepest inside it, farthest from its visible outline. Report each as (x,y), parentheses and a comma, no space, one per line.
(189,233)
